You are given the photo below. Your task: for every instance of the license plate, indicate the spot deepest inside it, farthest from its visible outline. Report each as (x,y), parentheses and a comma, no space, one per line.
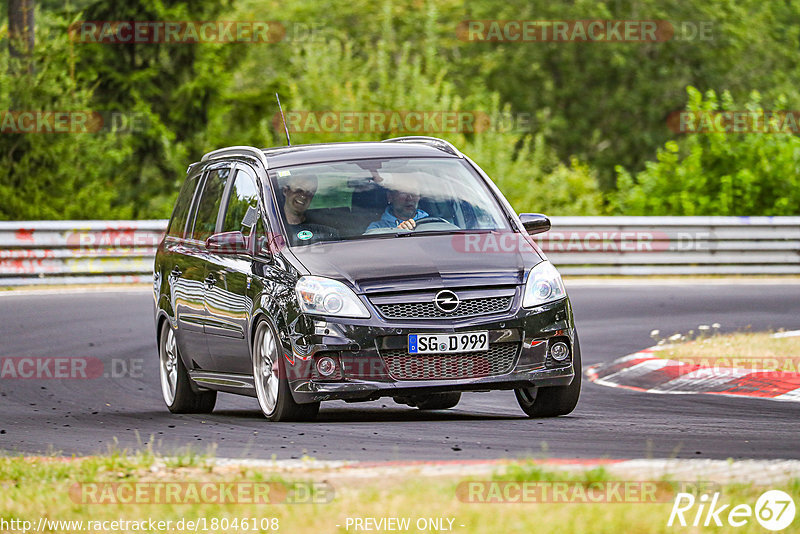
(448,343)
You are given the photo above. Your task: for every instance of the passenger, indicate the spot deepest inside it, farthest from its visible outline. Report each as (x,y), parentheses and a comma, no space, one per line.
(298,191)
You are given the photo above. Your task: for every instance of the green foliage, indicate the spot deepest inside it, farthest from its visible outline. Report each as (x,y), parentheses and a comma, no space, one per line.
(607,102)
(530,471)
(407,77)
(55,176)
(597,111)
(537,181)
(174,85)
(717,173)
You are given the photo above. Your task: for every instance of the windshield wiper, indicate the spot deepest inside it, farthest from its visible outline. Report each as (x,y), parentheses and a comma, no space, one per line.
(442,232)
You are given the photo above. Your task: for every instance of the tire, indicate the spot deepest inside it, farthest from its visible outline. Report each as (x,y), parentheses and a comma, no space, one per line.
(270,379)
(434,401)
(176,386)
(554,400)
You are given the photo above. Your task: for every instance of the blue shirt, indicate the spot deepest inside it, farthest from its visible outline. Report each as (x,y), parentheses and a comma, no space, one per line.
(388,220)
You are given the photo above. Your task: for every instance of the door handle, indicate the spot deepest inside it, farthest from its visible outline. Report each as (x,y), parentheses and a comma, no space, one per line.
(175,273)
(210,280)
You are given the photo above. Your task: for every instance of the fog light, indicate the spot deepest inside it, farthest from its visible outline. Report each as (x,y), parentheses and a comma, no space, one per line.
(559,351)
(326,366)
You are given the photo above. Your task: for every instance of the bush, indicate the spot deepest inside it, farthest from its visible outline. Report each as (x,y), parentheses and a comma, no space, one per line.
(54,175)
(716,173)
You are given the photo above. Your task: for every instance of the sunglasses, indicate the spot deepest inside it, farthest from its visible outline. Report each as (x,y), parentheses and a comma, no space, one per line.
(300,192)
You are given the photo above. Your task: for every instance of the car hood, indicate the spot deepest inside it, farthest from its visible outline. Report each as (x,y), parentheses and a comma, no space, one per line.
(415,262)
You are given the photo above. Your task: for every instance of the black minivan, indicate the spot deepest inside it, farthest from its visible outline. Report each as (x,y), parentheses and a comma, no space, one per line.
(353,271)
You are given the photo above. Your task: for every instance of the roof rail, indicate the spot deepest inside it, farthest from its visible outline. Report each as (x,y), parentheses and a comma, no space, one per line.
(441,144)
(233,151)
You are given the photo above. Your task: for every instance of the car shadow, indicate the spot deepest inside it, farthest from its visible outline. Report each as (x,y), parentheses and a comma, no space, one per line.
(379,415)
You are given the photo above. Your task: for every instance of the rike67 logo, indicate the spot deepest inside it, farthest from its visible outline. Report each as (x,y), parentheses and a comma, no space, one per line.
(774,510)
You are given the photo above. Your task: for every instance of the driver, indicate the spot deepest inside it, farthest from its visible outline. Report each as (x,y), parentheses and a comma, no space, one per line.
(402,211)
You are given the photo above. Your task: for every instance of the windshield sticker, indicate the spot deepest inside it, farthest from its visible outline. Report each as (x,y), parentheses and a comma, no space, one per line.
(304,235)
(281,174)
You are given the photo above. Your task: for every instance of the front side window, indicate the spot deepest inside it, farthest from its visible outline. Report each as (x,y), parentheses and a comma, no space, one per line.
(205,220)
(242,208)
(372,198)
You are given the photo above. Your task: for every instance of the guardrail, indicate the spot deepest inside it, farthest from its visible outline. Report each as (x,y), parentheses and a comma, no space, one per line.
(673,245)
(69,252)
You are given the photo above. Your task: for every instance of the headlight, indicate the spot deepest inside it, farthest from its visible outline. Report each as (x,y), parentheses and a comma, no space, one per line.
(323,296)
(544,285)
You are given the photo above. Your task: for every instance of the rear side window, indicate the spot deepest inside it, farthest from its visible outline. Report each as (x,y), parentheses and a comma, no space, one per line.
(205,220)
(177,222)
(242,202)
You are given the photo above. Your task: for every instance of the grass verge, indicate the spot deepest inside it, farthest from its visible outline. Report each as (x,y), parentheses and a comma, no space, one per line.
(740,350)
(58,489)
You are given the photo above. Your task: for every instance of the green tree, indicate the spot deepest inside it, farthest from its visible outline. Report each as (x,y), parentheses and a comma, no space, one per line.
(607,103)
(54,175)
(176,86)
(717,173)
(333,74)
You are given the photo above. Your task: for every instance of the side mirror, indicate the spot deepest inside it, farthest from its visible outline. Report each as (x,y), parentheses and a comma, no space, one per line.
(227,243)
(266,246)
(534,223)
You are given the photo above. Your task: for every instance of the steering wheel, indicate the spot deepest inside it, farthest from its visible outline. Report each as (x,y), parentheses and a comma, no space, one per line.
(426,220)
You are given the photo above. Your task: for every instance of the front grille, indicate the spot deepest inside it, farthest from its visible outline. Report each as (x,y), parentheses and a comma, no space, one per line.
(498,360)
(426,310)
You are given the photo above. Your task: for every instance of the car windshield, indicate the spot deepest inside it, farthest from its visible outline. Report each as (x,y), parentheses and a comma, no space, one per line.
(377,198)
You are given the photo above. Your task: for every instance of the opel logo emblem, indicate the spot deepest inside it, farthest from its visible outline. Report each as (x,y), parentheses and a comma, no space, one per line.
(446,301)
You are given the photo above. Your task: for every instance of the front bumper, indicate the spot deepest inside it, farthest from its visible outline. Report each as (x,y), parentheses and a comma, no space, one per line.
(360,348)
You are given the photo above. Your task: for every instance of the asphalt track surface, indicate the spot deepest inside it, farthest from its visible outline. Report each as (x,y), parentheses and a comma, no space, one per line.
(81,416)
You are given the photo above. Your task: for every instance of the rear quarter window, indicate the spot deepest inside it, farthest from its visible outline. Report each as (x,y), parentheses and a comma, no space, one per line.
(177,223)
(207,211)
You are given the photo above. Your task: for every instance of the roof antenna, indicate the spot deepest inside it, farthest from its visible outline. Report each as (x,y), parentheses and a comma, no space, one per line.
(288,141)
